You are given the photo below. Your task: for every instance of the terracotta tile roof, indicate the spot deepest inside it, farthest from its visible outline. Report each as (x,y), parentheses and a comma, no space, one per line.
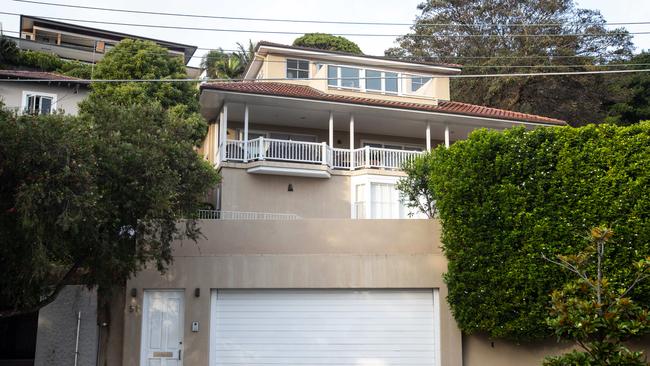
(272,44)
(306,92)
(38,75)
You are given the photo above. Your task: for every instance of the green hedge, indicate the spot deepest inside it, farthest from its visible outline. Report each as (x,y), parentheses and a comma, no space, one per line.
(506,198)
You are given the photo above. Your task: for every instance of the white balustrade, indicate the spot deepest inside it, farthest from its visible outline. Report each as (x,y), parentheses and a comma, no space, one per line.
(317,153)
(245,215)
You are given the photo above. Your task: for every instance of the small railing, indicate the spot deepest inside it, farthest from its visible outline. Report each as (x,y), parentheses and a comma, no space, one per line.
(317,153)
(245,215)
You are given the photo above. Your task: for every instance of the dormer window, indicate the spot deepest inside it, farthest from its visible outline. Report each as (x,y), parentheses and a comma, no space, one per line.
(297,69)
(343,77)
(418,82)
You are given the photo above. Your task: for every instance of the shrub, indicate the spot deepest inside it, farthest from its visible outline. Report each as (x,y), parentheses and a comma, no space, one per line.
(507,198)
(328,42)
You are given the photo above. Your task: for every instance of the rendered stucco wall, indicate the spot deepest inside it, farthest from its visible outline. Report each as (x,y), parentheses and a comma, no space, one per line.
(479,350)
(67,97)
(294,254)
(57,329)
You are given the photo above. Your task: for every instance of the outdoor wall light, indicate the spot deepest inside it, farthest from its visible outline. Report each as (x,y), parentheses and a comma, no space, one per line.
(134,292)
(197,292)
(290,188)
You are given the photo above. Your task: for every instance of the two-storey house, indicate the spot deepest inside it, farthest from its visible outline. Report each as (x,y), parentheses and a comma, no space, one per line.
(308,256)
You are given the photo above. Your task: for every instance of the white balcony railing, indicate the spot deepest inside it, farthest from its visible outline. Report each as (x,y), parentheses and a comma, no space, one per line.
(316,153)
(244,215)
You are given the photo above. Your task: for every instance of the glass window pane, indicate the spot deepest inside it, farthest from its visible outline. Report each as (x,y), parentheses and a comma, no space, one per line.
(303,65)
(46,105)
(332,75)
(303,74)
(391,82)
(292,64)
(349,77)
(373,80)
(292,74)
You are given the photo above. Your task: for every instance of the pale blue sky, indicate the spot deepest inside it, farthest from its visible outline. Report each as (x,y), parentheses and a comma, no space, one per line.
(402,11)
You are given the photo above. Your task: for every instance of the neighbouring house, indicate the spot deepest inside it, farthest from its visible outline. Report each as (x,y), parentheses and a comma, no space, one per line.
(308,257)
(37,92)
(69,326)
(86,44)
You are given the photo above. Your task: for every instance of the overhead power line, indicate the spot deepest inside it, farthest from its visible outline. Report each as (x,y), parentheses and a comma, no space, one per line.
(430,58)
(160,26)
(190,80)
(313,21)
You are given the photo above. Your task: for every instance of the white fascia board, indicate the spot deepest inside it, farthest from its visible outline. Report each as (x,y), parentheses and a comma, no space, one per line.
(295,172)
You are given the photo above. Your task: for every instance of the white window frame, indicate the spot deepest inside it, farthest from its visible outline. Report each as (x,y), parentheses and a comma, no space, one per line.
(411,76)
(286,68)
(368,180)
(267,134)
(405,146)
(27,93)
(362,79)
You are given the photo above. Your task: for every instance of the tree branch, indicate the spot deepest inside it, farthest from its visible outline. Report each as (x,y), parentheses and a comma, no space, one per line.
(50,298)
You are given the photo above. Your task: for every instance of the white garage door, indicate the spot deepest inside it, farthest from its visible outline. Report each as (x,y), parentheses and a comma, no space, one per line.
(324,327)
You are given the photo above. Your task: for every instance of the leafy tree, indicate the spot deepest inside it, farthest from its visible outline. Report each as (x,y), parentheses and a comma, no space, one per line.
(595,313)
(633,93)
(220,65)
(328,42)
(416,189)
(92,199)
(9,52)
(505,197)
(479,34)
(138,60)
(246,53)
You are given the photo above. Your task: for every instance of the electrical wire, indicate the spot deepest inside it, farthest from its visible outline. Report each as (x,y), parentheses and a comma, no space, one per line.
(609,34)
(147,12)
(459,76)
(430,58)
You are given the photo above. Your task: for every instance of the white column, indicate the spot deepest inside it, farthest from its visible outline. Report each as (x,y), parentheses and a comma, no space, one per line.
(245,133)
(351,141)
(224,132)
(446,135)
(216,140)
(331,128)
(428,136)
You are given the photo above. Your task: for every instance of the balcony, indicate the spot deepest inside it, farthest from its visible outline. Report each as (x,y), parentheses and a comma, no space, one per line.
(266,149)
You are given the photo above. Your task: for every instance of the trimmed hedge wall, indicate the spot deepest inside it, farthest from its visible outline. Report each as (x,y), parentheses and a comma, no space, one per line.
(506,198)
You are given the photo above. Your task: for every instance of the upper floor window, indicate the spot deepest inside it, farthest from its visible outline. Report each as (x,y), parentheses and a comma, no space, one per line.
(418,81)
(343,77)
(297,69)
(38,103)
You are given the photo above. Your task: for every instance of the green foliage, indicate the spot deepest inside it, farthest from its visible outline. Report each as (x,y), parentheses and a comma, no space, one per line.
(11,56)
(91,199)
(221,65)
(633,94)
(593,312)
(415,188)
(328,42)
(577,99)
(138,59)
(9,52)
(505,198)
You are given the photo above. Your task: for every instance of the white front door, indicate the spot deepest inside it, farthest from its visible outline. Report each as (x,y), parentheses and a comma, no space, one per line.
(162,329)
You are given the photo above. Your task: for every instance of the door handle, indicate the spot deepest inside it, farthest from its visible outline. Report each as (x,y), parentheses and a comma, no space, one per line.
(179,354)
